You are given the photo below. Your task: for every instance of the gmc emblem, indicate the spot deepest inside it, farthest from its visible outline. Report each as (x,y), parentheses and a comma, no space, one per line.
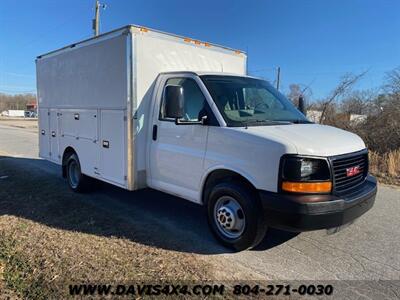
(352,171)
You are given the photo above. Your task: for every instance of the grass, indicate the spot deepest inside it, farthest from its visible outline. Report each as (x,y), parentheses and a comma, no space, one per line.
(51,237)
(18,274)
(386,166)
(5,292)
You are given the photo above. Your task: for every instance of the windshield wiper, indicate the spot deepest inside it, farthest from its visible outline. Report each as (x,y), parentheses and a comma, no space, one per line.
(268,122)
(298,121)
(248,123)
(273,121)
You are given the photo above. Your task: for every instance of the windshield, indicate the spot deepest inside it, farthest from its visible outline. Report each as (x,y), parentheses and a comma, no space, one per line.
(245,101)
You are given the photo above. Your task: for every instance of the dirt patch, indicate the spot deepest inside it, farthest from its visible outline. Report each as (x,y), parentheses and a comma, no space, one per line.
(387,180)
(30,124)
(50,237)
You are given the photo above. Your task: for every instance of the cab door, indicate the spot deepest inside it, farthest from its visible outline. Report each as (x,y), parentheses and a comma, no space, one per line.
(177,151)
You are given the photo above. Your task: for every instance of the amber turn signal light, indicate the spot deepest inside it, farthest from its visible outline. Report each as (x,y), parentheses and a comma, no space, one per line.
(307,187)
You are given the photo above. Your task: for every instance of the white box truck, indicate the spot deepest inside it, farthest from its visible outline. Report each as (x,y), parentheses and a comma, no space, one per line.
(16,113)
(140,108)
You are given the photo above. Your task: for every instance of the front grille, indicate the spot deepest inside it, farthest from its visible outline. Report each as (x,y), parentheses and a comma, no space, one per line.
(340,165)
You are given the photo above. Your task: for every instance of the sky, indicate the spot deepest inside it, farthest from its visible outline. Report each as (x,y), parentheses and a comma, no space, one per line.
(314,42)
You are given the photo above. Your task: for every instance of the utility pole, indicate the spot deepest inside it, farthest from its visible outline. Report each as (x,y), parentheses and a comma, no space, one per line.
(96,20)
(278,77)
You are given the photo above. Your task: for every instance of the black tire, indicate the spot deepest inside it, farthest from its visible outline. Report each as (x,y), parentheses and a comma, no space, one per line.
(254,223)
(77,181)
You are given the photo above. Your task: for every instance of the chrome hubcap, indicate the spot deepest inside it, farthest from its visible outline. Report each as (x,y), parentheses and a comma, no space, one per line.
(229,217)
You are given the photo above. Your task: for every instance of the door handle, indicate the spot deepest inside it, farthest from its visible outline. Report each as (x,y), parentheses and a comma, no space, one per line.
(106,144)
(155,132)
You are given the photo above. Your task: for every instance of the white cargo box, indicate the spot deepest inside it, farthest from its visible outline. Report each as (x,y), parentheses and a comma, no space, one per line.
(15,113)
(93,96)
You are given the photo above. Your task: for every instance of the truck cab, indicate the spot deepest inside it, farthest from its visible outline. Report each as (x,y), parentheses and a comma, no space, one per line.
(238,146)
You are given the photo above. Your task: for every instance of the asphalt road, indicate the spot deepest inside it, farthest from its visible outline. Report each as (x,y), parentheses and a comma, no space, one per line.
(367,250)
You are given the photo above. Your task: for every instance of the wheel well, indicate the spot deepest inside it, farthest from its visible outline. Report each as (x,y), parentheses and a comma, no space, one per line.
(223,175)
(67,153)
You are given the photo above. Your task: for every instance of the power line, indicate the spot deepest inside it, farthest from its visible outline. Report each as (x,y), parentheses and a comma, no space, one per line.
(17,88)
(17,74)
(262,70)
(10,91)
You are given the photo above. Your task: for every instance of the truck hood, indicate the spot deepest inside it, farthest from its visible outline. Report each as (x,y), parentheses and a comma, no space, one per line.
(311,139)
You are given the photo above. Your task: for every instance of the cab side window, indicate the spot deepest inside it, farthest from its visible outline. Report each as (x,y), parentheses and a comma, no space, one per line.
(194,99)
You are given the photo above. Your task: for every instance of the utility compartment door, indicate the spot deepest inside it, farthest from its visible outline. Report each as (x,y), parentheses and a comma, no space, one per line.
(113,146)
(44,134)
(79,129)
(54,135)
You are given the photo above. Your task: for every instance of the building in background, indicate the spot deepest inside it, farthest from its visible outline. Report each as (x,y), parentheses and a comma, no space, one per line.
(31,106)
(314,115)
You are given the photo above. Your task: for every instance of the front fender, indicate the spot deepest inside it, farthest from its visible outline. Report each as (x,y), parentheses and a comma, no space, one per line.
(221,167)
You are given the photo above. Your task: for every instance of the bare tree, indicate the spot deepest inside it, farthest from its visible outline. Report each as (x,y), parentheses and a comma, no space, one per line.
(346,83)
(359,102)
(381,130)
(294,93)
(297,90)
(393,81)
(18,101)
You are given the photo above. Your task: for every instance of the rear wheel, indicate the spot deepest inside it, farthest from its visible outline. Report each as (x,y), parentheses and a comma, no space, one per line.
(76,180)
(235,216)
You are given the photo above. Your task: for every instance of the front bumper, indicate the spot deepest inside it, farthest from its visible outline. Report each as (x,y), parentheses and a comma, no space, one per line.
(312,212)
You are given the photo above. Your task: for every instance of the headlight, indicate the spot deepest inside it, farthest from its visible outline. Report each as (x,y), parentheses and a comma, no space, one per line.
(305,175)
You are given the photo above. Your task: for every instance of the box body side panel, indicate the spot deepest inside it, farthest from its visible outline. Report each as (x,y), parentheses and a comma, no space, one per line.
(87,77)
(84,92)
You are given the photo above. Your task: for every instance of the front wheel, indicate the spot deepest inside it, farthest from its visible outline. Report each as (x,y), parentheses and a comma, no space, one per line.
(235,216)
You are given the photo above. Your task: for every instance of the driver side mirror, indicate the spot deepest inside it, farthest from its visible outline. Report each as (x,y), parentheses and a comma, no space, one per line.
(301,105)
(174,102)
